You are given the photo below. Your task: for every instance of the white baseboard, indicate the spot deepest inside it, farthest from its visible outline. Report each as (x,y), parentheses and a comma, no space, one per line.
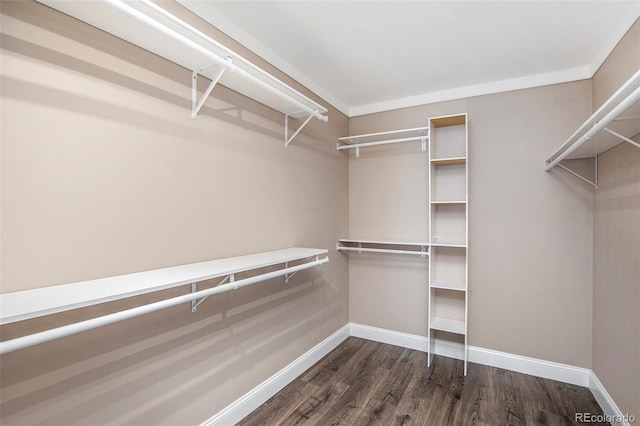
(536,367)
(242,407)
(608,405)
(521,364)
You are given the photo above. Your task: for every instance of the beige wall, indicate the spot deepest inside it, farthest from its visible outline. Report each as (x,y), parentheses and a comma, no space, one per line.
(616,292)
(103,173)
(531,246)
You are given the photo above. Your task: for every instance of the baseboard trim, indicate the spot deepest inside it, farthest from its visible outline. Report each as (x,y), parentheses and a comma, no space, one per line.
(521,364)
(239,409)
(246,404)
(608,405)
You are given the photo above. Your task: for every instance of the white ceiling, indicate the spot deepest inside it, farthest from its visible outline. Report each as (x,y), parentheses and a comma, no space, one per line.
(370,56)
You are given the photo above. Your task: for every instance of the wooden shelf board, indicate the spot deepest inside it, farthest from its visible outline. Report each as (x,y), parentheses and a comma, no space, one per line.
(454,161)
(450,120)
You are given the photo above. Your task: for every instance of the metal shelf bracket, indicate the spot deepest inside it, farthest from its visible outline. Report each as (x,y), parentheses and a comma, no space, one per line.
(287,139)
(194,289)
(593,182)
(623,137)
(196,105)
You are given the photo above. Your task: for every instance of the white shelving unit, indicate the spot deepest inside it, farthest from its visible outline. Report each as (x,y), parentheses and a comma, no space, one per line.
(616,121)
(417,134)
(150,27)
(448,228)
(360,245)
(27,304)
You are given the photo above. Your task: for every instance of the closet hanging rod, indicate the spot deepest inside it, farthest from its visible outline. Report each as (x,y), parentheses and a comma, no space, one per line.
(223,62)
(68,330)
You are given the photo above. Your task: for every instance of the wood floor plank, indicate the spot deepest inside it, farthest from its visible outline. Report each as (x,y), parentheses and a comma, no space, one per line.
(369,383)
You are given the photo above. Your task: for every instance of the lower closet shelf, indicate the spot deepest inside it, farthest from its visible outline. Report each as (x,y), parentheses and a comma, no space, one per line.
(22,305)
(449,325)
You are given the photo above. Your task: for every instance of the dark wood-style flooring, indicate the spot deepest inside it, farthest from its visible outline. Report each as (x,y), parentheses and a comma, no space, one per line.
(368,383)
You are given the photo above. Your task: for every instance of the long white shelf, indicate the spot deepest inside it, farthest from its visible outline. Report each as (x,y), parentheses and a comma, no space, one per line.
(150,27)
(617,120)
(363,242)
(189,273)
(22,305)
(356,142)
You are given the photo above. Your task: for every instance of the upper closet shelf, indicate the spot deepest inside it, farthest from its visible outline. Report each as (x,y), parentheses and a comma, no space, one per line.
(150,27)
(617,120)
(383,138)
(27,304)
(369,245)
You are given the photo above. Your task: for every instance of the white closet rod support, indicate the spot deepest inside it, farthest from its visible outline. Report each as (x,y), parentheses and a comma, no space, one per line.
(195,105)
(210,55)
(600,125)
(287,140)
(68,330)
(595,184)
(623,137)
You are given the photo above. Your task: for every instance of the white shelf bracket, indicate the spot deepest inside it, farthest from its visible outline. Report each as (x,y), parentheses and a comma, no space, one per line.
(423,249)
(196,105)
(579,176)
(287,277)
(287,139)
(424,144)
(623,137)
(196,303)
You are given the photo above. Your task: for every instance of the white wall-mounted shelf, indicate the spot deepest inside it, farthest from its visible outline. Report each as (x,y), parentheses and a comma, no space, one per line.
(27,304)
(367,245)
(152,28)
(616,121)
(356,142)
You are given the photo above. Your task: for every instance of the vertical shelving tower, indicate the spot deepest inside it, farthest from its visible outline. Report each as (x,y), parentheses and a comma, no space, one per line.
(448,228)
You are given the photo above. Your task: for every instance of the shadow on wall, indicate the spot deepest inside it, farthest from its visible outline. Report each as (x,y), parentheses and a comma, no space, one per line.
(231,107)
(112,373)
